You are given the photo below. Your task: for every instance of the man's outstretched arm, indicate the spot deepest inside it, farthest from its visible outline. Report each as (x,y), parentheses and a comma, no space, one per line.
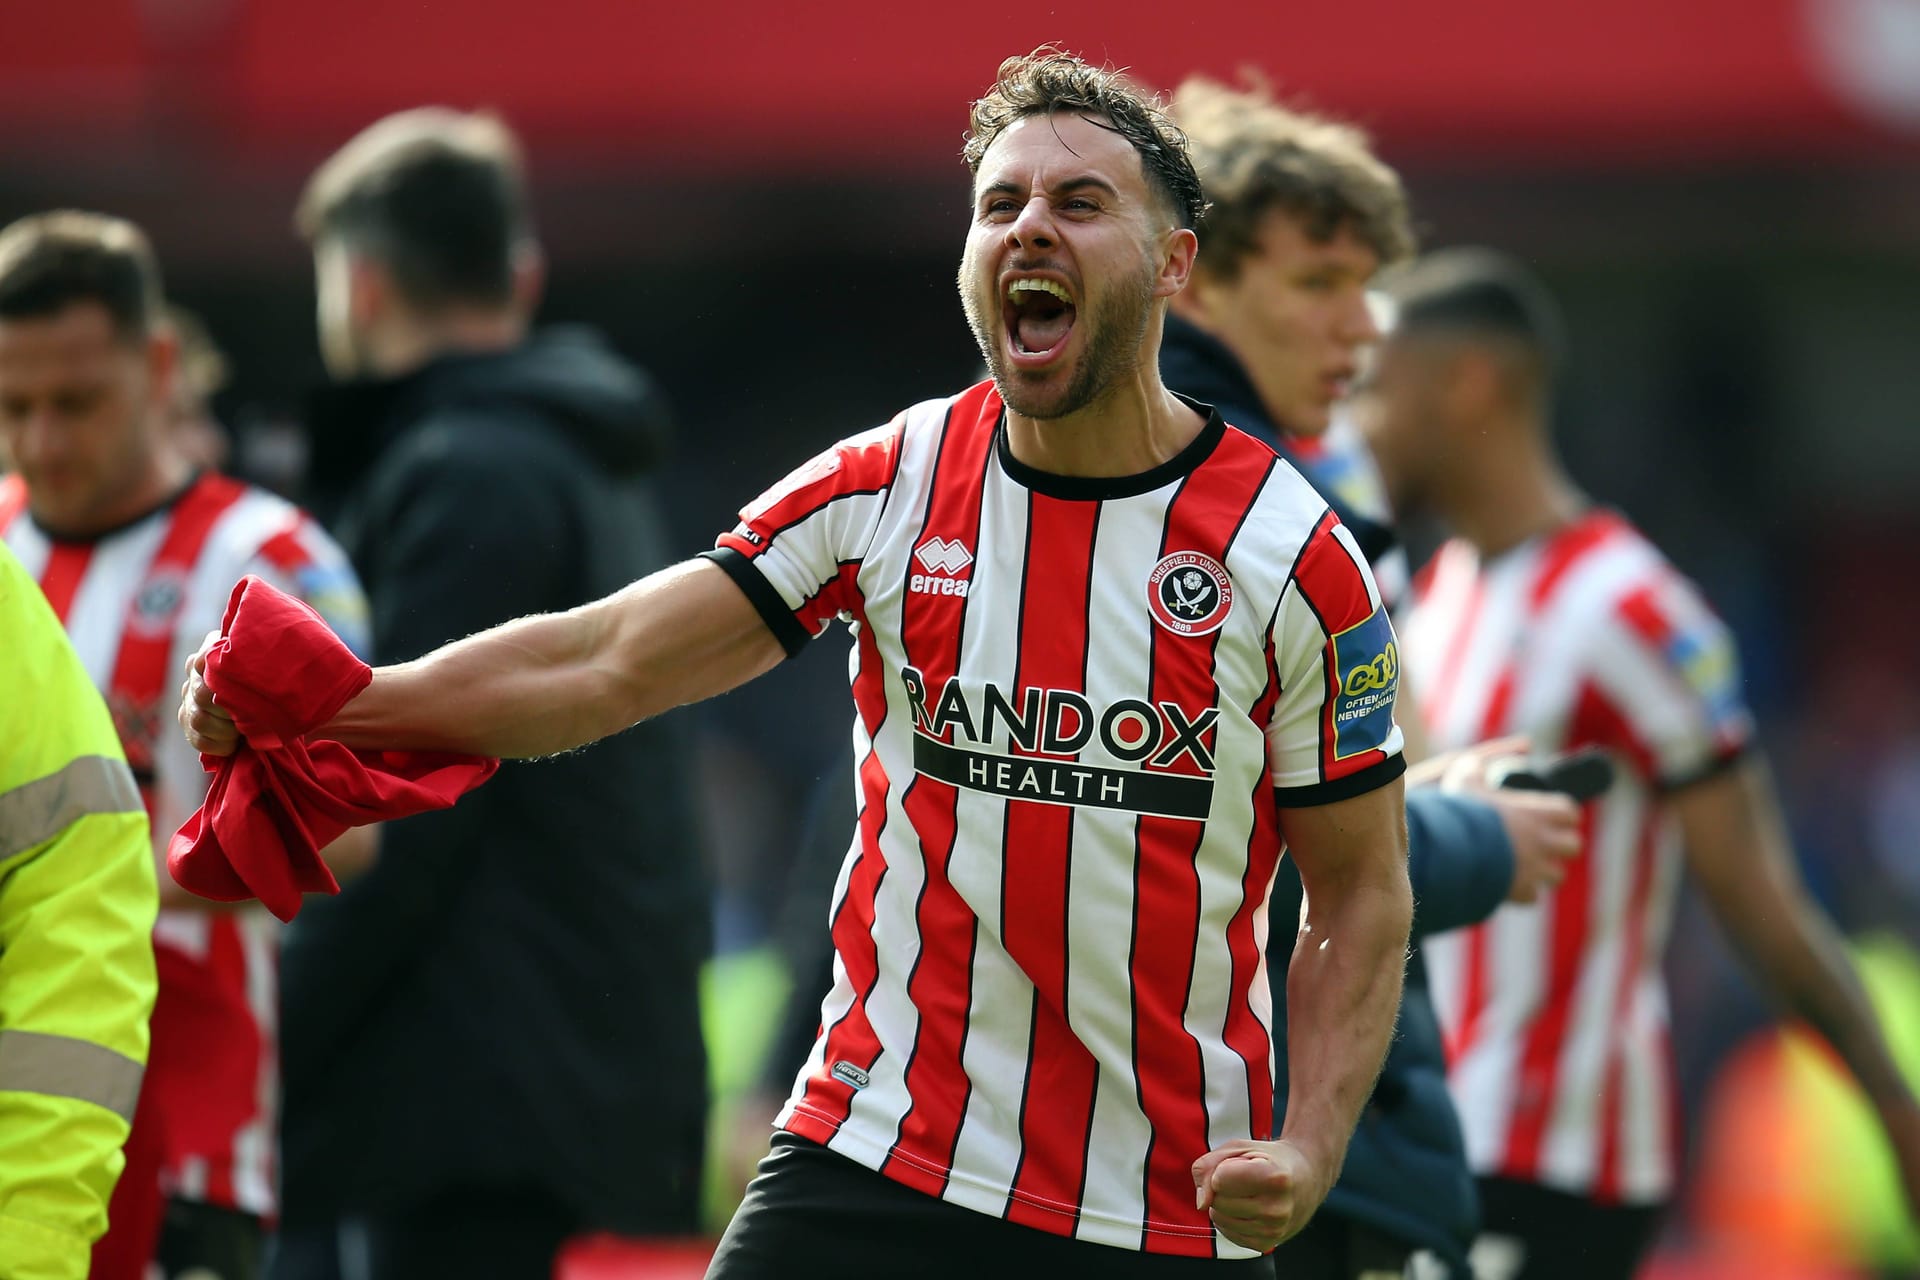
(1738,848)
(1343,991)
(546,684)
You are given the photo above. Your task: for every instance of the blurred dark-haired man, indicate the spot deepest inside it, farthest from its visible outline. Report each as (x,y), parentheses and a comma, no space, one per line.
(492,1041)
(1272,328)
(1551,616)
(1112,655)
(137,550)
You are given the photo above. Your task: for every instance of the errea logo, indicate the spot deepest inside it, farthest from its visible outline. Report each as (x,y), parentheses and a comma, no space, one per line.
(940,556)
(944,560)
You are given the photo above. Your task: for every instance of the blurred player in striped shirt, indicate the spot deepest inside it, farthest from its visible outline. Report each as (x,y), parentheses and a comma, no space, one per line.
(1551,616)
(136,550)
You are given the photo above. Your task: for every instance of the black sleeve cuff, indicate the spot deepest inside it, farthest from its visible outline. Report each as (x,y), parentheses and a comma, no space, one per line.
(1371,778)
(760,593)
(1725,762)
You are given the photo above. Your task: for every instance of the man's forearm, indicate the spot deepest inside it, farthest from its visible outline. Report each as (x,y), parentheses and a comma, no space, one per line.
(542,685)
(1806,965)
(1343,992)
(525,688)
(1738,844)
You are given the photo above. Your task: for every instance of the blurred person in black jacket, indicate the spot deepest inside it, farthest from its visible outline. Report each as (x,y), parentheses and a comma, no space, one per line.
(492,1039)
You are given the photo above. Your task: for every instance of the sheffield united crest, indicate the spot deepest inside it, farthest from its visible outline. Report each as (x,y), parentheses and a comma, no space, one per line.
(1189,594)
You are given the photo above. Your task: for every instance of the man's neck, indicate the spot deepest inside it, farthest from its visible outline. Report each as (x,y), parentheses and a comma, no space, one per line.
(1513,493)
(158,483)
(406,349)
(1133,428)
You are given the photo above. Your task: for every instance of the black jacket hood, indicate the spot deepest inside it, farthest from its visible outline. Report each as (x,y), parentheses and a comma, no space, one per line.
(609,406)
(1195,363)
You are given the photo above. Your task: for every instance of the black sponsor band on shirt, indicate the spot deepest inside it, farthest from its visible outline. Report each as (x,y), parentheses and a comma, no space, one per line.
(1065,782)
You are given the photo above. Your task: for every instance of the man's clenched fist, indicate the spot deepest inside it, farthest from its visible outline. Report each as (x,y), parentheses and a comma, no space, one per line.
(208,727)
(1261,1193)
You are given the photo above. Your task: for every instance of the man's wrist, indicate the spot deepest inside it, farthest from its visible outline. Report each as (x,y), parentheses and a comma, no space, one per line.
(1323,1156)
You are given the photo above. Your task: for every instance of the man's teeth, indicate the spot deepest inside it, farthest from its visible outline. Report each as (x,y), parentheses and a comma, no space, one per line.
(1040,286)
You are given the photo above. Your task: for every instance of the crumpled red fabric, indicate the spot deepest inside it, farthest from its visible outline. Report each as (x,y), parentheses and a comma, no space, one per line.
(282,797)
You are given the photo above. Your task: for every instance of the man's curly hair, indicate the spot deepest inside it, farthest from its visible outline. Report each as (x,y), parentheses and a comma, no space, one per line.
(1255,156)
(1050,80)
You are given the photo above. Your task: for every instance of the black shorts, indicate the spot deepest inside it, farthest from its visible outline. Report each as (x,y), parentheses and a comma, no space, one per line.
(1529,1232)
(813,1212)
(1336,1248)
(206,1242)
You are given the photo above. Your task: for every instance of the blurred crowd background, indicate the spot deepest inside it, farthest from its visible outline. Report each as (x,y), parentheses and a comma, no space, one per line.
(763,204)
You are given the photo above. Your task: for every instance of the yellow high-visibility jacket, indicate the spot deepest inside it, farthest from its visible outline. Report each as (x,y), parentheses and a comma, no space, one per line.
(77,902)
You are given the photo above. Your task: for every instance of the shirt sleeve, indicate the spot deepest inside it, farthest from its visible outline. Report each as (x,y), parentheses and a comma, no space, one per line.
(308,565)
(1669,668)
(798,546)
(1332,734)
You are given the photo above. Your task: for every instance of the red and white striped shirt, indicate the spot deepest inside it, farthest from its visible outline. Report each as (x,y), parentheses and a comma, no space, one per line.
(136,603)
(1080,705)
(1555,1013)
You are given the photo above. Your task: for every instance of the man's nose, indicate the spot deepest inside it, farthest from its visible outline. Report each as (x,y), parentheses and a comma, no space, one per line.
(37,433)
(1357,323)
(1034,228)
(44,437)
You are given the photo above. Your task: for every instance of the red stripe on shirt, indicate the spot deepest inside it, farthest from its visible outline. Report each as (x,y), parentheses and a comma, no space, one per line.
(140,674)
(1632,969)
(1246,1035)
(1056,1111)
(940,985)
(13,500)
(1205,516)
(1568,547)
(835,594)
(1330,580)
(1595,721)
(285,551)
(864,464)
(60,578)
(1535,1084)
(1474,975)
(825,1100)
(1558,560)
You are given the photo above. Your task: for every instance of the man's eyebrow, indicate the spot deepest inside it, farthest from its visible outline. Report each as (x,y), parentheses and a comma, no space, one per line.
(1006,186)
(1085,181)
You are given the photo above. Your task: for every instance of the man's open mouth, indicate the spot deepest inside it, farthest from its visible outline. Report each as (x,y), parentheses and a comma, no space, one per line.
(1039,315)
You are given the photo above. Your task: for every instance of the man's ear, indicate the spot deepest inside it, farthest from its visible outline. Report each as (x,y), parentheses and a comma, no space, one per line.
(529,277)
(1474,384)
(163,367)
(1177,255)
(370,291)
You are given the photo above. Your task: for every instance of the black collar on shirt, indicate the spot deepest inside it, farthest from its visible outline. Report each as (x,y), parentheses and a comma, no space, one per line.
(1096,488)
(101,535)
